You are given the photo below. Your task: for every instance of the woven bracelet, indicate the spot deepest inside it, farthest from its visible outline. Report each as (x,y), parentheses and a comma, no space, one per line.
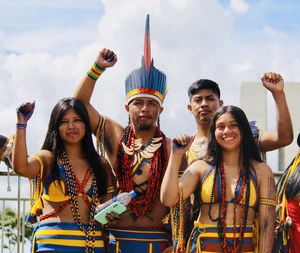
(95,72)
(21,126)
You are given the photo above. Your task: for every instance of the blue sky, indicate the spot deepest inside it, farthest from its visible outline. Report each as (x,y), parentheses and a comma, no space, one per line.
(46,46)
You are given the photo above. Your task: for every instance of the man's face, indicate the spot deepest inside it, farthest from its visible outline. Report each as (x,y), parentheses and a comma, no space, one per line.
(144,113)
(203,105)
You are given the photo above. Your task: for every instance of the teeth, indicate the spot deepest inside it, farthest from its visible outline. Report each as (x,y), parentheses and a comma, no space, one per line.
(227,138)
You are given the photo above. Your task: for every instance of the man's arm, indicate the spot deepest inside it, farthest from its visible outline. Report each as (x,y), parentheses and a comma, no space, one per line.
(84,91)
(283,136)
(85,88)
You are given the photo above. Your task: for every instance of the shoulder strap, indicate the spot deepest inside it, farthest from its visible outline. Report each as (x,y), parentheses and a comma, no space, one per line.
(36,183)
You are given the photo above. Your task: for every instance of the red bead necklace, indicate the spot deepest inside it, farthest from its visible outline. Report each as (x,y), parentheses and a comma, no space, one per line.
(220,172)
(141,204)
(73,189)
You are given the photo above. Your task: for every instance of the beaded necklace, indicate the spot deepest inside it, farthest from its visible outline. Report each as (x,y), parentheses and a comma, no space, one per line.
(73,189)
(221,218)
(124,164)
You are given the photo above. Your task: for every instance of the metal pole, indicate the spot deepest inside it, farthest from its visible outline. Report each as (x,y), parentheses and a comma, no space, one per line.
(19,214)
(2,220)
(23,227)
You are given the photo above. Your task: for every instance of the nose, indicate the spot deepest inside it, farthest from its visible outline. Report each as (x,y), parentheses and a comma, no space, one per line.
(71,124)
(226,129)
(145,107)
(204,102)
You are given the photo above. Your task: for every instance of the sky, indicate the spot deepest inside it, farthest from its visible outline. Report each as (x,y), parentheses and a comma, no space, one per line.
(47,46)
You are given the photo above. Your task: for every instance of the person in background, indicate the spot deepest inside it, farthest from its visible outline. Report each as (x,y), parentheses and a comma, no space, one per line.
(3,147)
(138,152)
(205,99)
(6,145)
(235,187)
(288,197)
(68,180)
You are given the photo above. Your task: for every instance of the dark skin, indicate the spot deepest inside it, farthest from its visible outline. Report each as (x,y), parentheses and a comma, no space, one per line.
(143,113)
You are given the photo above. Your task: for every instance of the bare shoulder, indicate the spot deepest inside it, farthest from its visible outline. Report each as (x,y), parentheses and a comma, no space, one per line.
(200,167)
(44,155)
(168,141)
(41,160)
(112,134)
(262,170)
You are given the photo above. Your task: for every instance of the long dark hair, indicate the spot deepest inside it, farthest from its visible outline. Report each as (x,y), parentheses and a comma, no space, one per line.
(292,187)
(248,151)
(55,144)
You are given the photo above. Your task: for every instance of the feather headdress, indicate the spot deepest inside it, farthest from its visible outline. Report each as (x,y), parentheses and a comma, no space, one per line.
(146,81)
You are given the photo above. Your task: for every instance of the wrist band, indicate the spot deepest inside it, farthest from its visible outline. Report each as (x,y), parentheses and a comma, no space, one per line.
(95,72)
(21,126)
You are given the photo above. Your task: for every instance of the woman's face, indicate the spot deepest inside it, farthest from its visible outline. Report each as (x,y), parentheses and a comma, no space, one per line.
(227,132)
(71,127)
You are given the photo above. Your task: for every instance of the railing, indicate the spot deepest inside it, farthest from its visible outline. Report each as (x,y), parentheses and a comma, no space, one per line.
(24,202)
(18,201)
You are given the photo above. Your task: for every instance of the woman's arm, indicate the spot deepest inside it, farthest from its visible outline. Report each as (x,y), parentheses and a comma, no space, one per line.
(267,214)
(22,165)
(170,185)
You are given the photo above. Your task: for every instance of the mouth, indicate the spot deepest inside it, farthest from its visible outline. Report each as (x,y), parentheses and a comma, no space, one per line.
(205,112)
(144,117)
(71,134)
(228,138)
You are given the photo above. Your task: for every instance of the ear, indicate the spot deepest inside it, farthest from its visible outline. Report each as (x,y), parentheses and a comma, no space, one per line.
(189,107)
(161,110)
(127,107)
(221,102)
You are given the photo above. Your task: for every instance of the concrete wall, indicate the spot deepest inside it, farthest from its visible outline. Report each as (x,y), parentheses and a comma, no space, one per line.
(259,105)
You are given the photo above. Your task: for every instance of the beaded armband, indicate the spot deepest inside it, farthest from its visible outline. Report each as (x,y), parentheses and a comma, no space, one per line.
(270,202)
(110,189)
(95,72)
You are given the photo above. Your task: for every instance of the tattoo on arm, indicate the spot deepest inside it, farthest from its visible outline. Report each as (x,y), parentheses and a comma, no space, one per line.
(269,220)
(186,175)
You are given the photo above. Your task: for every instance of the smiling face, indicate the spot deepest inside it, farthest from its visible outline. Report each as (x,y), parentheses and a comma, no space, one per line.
(144,113)
(227,132)
(71,127)
(203,105)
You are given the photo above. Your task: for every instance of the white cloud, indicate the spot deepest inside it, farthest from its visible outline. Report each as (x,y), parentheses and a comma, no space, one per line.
(239,6)
(191,40)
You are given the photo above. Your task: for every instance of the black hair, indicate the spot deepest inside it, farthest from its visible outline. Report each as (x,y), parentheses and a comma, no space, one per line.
(3,140)
(248,148)
(55,144)
(293,184)
(204,84)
